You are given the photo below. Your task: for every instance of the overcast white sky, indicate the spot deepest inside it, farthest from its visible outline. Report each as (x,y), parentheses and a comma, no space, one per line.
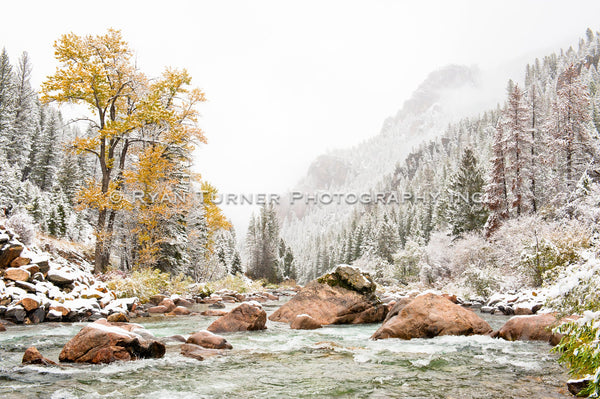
(288,80)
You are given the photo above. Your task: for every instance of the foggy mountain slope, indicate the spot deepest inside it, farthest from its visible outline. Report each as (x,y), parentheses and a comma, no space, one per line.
(424,115)
(447,95)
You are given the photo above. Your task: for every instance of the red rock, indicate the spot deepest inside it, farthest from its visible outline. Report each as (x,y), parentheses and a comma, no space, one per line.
(240,297)
(117,318)
(168,303)
(270,296)
(29,304)
(209,340)
(246,317)
(199,353)
(304,322)
(532,328)
(192,351)
(214,312)
(331,305)
(229,299)
(523,311)
(158,309)
(16,274)
(180,311)
(104,342)
(2,327)
(451,298)
(428,316)
(397,308)
(33,356)
(8,255)
(19,261)
(184,302)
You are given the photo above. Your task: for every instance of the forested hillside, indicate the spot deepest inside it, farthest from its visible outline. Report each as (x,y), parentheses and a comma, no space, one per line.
(117,175)
(532,155)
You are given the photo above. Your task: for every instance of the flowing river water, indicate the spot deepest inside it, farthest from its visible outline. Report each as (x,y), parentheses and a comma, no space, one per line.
(335,361)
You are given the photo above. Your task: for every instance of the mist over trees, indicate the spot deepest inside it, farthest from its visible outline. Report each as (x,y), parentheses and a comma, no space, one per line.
(524,158)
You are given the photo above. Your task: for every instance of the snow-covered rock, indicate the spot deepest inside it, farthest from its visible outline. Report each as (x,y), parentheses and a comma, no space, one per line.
(52,286)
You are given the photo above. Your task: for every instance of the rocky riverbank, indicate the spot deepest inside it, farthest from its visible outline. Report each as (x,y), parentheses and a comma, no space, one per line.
(345,296)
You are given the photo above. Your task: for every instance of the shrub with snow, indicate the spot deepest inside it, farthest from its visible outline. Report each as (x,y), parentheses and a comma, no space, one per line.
(23,225)
(580,350)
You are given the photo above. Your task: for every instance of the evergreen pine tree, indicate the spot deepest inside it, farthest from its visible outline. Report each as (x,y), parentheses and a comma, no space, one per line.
(7,98)
(466,211)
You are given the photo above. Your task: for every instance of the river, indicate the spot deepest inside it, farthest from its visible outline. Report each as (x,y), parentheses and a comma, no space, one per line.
(335,361)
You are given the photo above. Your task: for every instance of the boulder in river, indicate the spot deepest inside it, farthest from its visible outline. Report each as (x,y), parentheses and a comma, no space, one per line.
(33,356)
(304,322)
(206,339)
(167,303)
(104,342)
(428,316)
(180,311)
(249,316)
(214,312)
(345,296)
(199,353)
(158,309)
(532,328)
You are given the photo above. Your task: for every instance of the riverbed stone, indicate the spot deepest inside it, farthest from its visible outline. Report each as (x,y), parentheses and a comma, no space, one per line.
(532,328)
(180,311)
(199,353)
(184,302)
(117,318)
(30,303)
(105,342)
(15,313)
(431,315)
(8,253)
(168,303)
(36,316)
(29,287)
(158,298)
(246,317)
(158,309)
(33,356)
(20,261)
(178,339)
(576,386)
(217,305)
(346,296)
(214,312)
(16,274)
(53,315)
(304,322)
(60,277)
(206,339)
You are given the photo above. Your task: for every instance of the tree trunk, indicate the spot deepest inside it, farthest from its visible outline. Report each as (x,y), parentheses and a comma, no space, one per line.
(100,257)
